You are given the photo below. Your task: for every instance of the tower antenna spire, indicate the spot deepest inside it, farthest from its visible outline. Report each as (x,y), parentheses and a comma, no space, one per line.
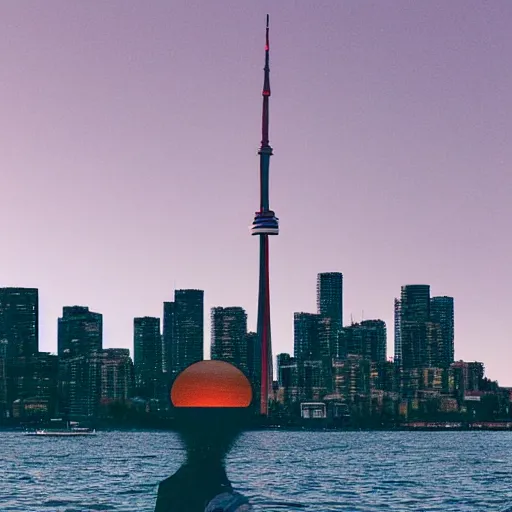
(266,91)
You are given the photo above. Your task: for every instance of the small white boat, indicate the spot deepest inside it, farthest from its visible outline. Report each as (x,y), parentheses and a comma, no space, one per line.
(62,433)
(71,431)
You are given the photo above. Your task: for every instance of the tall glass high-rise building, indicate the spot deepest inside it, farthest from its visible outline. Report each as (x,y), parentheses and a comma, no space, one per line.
(398,335)
(376,335)
(80,385)
(367,340)
(147,351)
(442,313)
(117,377)
(42,379)
(184,330)
(415,303)
(168,336)
(329,296)
(283,360)
(414,316)
(80,332)
(19,321)
(253,343)
(19,332)
(88,382)
(311,337)
(329,299)
(229,336)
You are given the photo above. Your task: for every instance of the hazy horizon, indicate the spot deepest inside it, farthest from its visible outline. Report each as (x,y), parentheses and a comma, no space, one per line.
(128,159)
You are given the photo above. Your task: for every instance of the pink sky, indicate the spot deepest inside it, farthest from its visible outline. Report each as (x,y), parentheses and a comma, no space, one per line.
(128,158)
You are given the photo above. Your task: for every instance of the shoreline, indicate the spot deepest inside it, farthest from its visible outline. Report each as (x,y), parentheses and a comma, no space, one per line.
(506,427)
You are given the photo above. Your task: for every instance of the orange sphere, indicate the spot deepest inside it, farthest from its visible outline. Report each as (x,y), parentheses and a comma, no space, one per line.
(211,384)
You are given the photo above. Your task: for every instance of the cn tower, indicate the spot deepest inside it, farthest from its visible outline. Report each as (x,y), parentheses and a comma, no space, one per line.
(265,223)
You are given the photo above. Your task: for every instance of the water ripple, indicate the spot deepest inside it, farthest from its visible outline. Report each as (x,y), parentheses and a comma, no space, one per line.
(277,470)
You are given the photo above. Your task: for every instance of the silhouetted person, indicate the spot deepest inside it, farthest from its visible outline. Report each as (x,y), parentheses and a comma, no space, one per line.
(208,429)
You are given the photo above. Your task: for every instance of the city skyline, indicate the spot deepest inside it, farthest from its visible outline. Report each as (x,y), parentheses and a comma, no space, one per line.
(181,329)
(336,373)
(90,102)
(83,326)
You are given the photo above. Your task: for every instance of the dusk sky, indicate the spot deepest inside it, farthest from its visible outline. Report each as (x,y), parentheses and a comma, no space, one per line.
(128,158)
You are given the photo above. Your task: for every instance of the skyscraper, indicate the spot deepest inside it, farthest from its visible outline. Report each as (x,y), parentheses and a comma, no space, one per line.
(283,361)
(415,336)
(415,303)
(19,330)
(414,315)
(434,336)
(366,339)
(80,332)
(376,333)
(42,379)
(329,296)
(168,336)
(254,365)
(117,377)
(288,376)
(88,381)
(304,334)
(81,385)
(351,378)
(185,332)
(229,336)
(329,301)
(442,313)
(147,350)
(265,223)
(19,321)
(398,336)
(310,338)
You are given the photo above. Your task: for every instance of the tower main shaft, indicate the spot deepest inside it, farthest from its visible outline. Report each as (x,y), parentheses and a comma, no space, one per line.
(265,223)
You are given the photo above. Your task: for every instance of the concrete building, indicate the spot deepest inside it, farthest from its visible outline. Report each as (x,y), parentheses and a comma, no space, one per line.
(313,410)
(467,376)
(385,376)
(351,378)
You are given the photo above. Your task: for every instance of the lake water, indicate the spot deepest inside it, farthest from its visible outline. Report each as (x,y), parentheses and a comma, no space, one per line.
(295,471)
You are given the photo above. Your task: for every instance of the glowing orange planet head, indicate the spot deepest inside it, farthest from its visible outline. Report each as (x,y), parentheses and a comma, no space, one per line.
(211,384)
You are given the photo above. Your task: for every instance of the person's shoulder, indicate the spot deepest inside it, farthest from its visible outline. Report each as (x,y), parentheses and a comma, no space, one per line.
(191,488)
(229,502)
(175,482)
(176,491)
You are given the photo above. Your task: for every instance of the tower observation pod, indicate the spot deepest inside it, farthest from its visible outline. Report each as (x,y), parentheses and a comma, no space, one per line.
(265,223)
